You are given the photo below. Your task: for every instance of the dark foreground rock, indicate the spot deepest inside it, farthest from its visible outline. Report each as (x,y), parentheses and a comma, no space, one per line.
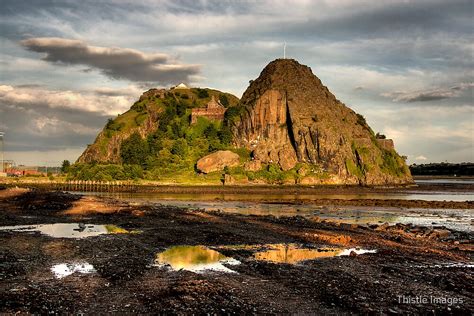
(410,263)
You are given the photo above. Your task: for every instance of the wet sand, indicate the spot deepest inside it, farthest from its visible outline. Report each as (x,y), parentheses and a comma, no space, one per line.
(118,272)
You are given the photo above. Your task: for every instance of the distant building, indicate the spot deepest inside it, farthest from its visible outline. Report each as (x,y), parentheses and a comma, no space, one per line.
(23,170)
(214,110)
(181,86)
(8,164)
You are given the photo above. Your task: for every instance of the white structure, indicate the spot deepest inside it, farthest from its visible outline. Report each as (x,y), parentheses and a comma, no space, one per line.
(284,50)
(181,86)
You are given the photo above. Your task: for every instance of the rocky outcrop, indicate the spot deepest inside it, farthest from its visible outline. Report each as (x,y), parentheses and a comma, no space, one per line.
(153,93)
(386,144)
(107,148)
(253,165)
(217,161)
(289,116)
(144,117)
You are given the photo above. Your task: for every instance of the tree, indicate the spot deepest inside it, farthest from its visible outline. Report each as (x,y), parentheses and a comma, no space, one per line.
(181,108)
(224,100)
(225,136)
(66,165)
(180,147)
(167,116)
(210,131)
(202,93)
(134,150)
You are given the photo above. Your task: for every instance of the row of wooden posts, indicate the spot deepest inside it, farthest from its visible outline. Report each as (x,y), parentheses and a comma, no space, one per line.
(94,186)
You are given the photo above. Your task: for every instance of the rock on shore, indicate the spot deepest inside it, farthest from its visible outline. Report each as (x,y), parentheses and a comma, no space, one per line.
(218,161)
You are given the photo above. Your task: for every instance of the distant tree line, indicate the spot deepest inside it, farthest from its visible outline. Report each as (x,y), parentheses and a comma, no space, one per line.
(443,169)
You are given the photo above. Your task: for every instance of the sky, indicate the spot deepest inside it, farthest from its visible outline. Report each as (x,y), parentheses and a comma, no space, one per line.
(68,66)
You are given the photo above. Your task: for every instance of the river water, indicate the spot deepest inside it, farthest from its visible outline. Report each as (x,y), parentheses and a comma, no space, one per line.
(287,205)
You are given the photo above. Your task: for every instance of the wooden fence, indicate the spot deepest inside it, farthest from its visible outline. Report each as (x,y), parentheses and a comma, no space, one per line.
(88,186)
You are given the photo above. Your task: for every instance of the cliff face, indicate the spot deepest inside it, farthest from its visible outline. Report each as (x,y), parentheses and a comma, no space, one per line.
(290,117)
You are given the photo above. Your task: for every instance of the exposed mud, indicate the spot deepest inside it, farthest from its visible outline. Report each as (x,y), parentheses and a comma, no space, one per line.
(410,262)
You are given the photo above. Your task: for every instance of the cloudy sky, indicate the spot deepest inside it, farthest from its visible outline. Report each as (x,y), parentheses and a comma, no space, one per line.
(67,66)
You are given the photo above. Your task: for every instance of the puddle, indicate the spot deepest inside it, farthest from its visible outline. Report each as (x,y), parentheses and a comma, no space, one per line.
(196,259)
(74,230)
(292,254)
(64,269)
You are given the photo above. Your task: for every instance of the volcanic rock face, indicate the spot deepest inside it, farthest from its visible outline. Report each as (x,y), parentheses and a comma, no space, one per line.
(291,117)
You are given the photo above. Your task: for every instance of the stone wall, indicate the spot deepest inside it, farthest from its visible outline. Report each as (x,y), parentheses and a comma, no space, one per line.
(386,144)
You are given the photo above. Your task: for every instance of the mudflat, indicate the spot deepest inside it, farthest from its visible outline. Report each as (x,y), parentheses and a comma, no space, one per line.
(124,257)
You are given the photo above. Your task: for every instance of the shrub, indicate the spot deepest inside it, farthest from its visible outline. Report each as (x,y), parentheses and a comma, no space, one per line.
(66,165)
(139,119)
(180,147)
(224,100)
(392,164)
(225,136)
(139,106)
(232,114)
(113,126)
(361,120)
(202,93)
(181,108)
(210,131)
(134,150)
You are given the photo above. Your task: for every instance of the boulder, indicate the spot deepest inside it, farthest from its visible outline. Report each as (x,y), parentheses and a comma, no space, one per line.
(217,161)
(286,158)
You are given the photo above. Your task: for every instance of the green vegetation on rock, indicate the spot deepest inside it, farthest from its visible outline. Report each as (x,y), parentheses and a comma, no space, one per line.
(170,148)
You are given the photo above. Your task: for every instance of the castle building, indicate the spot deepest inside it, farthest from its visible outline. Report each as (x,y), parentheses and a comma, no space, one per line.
(214,110)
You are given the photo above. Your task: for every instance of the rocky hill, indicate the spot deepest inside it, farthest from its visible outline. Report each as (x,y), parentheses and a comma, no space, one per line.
(289,117)
(287,128)
(156,110)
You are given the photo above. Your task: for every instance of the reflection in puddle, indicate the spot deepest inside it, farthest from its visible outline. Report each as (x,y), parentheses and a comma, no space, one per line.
(291,253)
(74,230)
(195,259)
(64,269)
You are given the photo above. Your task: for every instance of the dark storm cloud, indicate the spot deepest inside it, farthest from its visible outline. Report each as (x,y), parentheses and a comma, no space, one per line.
(407,18)
(370,53)
(429,95)
(117,63)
